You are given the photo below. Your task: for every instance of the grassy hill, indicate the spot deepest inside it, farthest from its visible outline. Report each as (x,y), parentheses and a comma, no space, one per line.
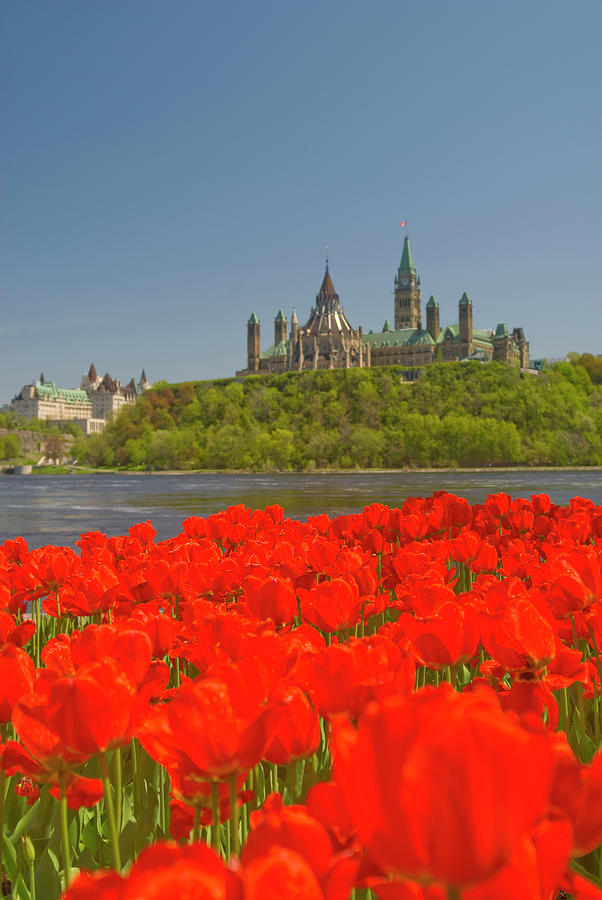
(455,414)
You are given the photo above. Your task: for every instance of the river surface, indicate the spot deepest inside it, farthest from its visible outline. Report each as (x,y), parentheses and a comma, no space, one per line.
(56,509)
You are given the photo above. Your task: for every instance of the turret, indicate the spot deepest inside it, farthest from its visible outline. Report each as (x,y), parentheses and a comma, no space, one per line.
(466,328)
(280,327)
(253,343)
(407,311)
(294,325)
(432,318)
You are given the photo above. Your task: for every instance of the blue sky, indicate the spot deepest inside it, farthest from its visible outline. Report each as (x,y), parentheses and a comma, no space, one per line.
(168,167)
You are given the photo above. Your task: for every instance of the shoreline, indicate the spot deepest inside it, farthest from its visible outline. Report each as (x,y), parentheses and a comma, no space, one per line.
(285,473)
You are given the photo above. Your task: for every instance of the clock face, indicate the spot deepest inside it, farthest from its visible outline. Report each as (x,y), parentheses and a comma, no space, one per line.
(404,282)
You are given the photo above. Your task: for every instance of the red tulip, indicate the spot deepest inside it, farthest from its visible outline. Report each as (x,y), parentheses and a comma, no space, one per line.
(442,786)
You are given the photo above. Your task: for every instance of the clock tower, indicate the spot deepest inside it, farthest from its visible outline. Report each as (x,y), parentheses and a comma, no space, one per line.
(408,310)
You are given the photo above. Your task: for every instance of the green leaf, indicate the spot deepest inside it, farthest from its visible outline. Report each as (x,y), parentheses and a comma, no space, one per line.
(89,838)
(581,870)
(37,819)
(9,856)
(20,889)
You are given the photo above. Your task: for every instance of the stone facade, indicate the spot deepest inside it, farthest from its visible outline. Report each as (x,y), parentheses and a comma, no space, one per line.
(328,340)
(90,406)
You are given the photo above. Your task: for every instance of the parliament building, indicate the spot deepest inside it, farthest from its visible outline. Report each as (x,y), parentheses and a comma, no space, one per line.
(329,341)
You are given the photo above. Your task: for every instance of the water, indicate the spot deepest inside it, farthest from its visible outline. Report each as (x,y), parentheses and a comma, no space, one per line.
(54,509)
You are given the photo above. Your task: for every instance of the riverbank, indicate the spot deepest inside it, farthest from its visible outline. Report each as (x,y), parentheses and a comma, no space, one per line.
(87,470)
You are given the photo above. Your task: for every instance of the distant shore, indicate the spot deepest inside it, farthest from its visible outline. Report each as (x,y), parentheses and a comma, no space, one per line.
(408,470)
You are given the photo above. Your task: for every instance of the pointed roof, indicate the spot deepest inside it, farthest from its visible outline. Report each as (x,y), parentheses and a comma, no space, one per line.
(431,302)
(407,263)
(294,319)
(92,373)
(387,326)
(280,317)
(327,290)
(465,300)
(253,320)
(328,316)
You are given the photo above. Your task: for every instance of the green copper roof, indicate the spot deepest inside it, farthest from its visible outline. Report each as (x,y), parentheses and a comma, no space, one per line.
(501,330)
(279,349)
(253,320)
(405,338)
(431,301)
(387,326)
(482,337)
(49,391)
(465,300)
(280,317)
(407,263)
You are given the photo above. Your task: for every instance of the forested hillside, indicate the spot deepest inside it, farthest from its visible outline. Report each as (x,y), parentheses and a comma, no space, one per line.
(455,414)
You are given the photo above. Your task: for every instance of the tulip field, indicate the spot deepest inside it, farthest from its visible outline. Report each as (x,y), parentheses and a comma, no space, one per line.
(402,704)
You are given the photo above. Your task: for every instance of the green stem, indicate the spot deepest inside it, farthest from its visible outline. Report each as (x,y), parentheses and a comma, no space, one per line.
(32,881)
(64,829)
(196,828)
(106,782)
(564,710)
(215,815)
(135,778)
(162,811)
(3,730)
(118,788)
(453,675)
(38,617)
(596,692)
(234,837)
(274,778)
(291,778)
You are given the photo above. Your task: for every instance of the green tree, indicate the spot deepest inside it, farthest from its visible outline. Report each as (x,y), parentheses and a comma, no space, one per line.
(10,446)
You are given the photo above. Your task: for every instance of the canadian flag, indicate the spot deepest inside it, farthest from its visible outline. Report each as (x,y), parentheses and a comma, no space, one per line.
(403,223)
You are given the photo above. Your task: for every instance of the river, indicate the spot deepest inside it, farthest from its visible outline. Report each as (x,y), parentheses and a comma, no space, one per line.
(56,509)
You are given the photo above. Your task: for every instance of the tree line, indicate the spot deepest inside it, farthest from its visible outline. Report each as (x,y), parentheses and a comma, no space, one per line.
(454,414)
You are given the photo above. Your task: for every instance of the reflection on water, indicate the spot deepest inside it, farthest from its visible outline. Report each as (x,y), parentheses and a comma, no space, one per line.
(57,509)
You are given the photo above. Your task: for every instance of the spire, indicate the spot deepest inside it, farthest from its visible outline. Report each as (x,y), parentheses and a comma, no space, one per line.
(294,319)
(92,373)
(253,320)
(465,300)
(431,301)
(280,317)
(407,263)
(327,290)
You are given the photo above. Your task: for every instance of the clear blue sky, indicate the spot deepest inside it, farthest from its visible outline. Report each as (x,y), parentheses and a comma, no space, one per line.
(166,168)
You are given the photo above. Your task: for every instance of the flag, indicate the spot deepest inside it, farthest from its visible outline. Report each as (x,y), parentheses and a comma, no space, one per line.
(403,223)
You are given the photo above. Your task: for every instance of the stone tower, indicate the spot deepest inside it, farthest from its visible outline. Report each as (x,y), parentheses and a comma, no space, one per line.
(432,318)
(408,311)
(280,327)
(294,325)
(465,322)
(253,343)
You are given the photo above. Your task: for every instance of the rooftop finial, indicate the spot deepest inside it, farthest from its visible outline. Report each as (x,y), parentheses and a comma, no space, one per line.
(327,257)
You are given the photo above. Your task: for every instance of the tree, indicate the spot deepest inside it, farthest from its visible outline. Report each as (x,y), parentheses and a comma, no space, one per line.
(54,448)
(10,447)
